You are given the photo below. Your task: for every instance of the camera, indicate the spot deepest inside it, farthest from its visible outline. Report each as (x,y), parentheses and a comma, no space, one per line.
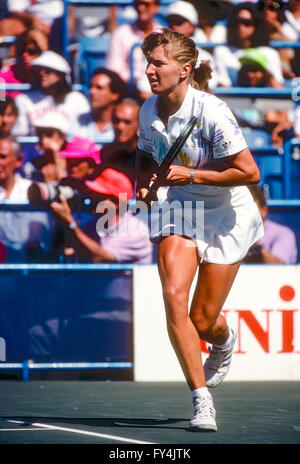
(254,254)
(73,190)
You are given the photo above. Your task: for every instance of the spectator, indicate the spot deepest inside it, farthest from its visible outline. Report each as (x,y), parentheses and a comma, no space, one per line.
(287,128)
(278,244)
(209,28)
(25,235)
(45,164)
(41,12)
(292,16)
(54,92)
(15,23)
(120,154)
(125,36)
(245,29)
(106,89)
(254,73)
(273,15)
(29,46)
(8,116)
(182,17)
(125,239)
(82,157)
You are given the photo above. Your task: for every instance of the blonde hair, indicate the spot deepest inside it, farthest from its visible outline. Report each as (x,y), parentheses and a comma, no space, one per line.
(183,49)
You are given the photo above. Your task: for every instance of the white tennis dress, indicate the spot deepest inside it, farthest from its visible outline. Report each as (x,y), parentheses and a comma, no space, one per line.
(231,222)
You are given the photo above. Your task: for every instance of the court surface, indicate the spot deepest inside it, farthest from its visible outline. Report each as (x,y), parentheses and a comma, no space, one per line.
(134,413)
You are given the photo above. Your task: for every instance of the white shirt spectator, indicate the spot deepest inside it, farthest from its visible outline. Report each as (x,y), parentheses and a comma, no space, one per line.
(85,126)
(17,228)
(35,104)
(46,10)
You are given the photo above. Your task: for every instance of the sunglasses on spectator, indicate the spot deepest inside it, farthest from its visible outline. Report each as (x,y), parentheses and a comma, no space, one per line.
(31,51)
(176,20)
(47,131)
(245,22)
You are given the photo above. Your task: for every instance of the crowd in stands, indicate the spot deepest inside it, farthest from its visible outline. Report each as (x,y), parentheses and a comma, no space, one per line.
(86,137)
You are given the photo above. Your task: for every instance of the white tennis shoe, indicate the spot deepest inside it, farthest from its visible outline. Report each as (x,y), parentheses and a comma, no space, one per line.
(218,363)
(204,418)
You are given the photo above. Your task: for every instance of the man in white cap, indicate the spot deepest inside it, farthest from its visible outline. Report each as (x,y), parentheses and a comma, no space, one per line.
(54,92)
(183,17)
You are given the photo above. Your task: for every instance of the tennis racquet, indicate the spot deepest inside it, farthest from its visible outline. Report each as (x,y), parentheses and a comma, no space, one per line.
(168,160)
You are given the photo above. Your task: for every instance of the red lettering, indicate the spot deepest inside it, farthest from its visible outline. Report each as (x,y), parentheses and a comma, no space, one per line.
(261,335)
(287,316)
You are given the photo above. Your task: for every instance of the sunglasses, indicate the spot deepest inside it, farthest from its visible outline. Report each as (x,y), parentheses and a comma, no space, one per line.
(31,51)
(176,20)
(245,22)
(47,131)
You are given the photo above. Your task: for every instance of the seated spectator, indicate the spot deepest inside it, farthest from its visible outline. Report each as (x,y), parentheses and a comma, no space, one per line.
(26,236)
(245,30)
(125,36)
(15,23)
(54,92)
(254,73)
(82,156)
(125,239)
(182,17)
(209,28)
(273,15)
(292,16)
(8,116)
(29,46)
(278,244)
(106,89)
(120,154)
(287,127)
(43,162)
(41,12)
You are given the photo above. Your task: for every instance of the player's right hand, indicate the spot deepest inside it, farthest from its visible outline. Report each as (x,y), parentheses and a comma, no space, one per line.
(142,193)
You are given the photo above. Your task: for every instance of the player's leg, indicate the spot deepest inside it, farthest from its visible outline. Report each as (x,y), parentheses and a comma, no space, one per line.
(213,286)
(177,264)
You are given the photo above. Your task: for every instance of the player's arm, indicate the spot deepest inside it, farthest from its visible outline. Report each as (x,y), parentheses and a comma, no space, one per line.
(230,171)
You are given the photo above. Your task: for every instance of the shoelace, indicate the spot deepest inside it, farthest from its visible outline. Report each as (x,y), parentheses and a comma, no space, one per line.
(204,407)
(215,355)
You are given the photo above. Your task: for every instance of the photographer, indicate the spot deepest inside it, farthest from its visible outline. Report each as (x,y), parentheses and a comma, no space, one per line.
(278,245)
(119,242)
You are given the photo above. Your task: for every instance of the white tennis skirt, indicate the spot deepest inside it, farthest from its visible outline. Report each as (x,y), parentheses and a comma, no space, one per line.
(223,222)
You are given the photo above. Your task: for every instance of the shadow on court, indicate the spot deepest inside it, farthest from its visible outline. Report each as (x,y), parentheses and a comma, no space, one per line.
(90,412)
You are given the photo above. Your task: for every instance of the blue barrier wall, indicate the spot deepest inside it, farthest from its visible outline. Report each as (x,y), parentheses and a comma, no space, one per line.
(66,313)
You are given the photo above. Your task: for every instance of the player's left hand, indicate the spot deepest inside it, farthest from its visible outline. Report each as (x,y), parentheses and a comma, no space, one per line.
(178,175)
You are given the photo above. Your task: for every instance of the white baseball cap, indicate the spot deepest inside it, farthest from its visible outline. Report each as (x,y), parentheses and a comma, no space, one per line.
(52,60)
(185,10)
(54,119)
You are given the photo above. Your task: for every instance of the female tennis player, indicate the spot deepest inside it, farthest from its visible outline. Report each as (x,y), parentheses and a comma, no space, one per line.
(212,169)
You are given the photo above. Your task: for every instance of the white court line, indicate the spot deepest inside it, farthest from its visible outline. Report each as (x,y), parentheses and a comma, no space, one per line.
(81,432)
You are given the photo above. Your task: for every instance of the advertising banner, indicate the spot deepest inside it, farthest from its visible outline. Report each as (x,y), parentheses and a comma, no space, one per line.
(263,306)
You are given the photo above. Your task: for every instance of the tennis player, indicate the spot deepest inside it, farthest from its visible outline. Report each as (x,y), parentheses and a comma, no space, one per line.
(214,167)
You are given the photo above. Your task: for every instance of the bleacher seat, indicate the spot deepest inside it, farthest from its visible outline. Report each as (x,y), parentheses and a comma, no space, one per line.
(268,159)
(92,53)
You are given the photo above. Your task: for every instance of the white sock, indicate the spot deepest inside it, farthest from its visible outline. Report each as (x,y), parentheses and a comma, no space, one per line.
(200,392)
(228,341)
